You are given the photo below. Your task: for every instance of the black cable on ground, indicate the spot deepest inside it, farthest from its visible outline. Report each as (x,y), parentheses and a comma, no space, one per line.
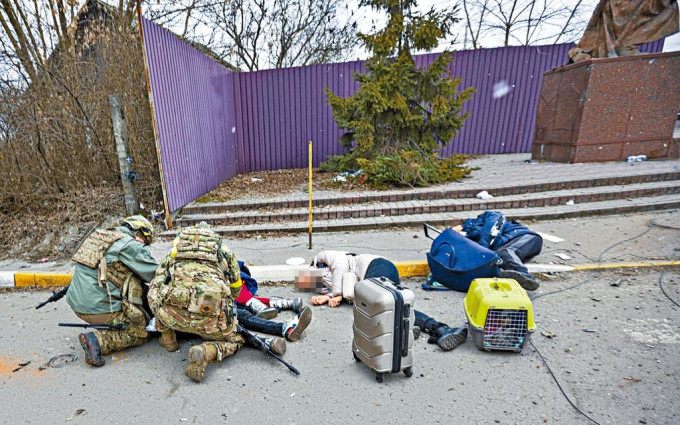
(599,260)
(560,386)
(664,291)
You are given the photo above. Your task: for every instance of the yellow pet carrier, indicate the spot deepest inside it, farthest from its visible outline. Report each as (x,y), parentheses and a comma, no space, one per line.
(499,314)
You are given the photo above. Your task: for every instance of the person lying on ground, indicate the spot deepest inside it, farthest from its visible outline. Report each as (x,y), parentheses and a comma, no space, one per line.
(343,270)
(254,312)
(514,243)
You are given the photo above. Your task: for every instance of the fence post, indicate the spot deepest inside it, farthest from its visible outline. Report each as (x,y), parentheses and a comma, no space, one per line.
(123,149)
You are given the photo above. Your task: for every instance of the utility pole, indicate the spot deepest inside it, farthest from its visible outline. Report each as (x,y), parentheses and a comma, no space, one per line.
(127,175)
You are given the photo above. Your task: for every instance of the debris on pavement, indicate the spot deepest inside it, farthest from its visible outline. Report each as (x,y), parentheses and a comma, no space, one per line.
(562,256)
(59,361)
(483,195)
(21,366)
(617,283)
(627,380)
(569,202)
(548,334)
(589,330)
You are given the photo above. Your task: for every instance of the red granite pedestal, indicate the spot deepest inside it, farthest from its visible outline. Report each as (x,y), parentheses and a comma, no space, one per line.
(608,109)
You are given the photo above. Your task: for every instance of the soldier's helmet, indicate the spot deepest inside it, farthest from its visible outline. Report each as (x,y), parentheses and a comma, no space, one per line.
(138,223)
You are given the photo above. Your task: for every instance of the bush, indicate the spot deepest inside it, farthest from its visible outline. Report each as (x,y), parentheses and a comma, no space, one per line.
(411,168)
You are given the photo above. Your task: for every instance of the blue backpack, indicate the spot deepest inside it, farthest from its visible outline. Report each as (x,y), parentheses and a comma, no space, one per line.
(455,261)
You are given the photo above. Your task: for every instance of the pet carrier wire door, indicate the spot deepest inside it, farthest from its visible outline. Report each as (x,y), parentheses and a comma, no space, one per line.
(500,315)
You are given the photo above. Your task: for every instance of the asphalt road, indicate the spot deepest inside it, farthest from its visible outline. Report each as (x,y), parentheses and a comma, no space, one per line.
(624,370)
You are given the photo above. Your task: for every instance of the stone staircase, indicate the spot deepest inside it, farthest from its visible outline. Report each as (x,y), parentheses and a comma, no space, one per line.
(554,192)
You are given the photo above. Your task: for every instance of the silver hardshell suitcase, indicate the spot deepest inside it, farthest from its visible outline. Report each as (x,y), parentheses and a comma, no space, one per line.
(383,326)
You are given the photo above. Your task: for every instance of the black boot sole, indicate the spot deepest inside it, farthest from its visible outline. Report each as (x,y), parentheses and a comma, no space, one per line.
(452,340)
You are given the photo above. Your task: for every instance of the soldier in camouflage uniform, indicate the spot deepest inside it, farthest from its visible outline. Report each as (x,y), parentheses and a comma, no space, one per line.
(194,291)
(112,268)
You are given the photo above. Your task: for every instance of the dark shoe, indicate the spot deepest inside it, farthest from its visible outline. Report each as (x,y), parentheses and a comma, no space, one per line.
(92,350)
(525,281)
(451,337)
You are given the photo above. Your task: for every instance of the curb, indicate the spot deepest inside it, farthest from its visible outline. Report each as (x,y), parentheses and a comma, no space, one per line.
(286,273)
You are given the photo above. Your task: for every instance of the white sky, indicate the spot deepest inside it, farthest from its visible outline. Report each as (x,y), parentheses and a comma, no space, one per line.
(366,16)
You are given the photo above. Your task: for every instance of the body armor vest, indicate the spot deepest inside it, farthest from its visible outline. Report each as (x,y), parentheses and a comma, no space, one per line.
(92,253)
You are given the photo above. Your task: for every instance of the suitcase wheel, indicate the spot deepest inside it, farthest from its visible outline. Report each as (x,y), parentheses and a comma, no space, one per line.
(408,372)
(356,358)
(379,377)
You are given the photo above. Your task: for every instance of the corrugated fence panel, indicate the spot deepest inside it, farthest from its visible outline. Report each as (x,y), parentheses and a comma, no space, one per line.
(280,111)
(291,107)
(502,109)
(194,108)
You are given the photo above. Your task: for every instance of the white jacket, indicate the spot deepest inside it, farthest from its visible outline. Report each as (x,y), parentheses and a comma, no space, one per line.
(346,271)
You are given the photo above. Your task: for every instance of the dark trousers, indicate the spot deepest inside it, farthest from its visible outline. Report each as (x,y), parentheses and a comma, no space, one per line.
(253,323)
(519,250)
(426,323)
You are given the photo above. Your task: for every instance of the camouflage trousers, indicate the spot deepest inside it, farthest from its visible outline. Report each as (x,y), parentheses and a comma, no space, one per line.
(134,334)
(228,347)
(215,330)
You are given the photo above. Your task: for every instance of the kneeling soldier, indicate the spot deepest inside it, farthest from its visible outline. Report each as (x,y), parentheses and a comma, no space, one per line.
(194,291)
(112,268)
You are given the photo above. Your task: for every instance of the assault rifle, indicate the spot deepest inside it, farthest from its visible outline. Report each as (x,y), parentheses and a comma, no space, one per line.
(119,327)
(56,296)
(260,345)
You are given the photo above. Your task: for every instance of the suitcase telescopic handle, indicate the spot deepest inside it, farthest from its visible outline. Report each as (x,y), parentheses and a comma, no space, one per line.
(427,228)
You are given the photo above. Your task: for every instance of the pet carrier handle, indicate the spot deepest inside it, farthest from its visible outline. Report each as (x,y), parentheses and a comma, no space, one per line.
(427,227)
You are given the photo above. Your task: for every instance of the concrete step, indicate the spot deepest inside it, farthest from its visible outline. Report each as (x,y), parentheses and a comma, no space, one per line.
(390,209)
(540,183)
(617,206)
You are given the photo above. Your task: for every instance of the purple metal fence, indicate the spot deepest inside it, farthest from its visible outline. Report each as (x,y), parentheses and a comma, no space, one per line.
(194,112)
(212,123)
(279,111)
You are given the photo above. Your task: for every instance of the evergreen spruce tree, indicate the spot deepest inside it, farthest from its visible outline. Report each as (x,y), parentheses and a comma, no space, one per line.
(401,116)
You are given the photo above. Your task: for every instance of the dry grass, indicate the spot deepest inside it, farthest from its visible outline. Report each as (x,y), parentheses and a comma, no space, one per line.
(265,184)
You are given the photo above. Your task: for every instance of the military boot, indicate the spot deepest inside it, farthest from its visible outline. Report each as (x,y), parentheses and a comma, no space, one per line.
(294,304)
(168,340)
(277,345)
(293,328)
(525,280)
(199,357)
(93,352)
(260,309)
(449,338)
